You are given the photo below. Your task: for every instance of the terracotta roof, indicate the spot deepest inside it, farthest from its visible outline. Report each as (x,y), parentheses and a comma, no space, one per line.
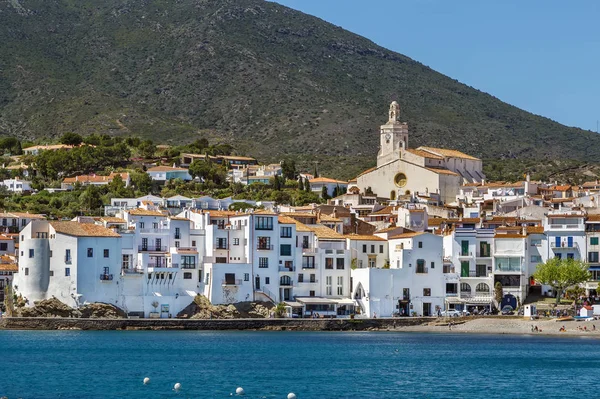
(564,215)
(95,178)
(286,220)
(165,169)
(358,237)
(442,171)
(326,180)
(388,210)
(435,221)
(593,218)
(561,188)
(448,153)
(22,215)
(325,232)
(112,219)
(328,218)
(264,212)
(407,235)
(144,212)
(83,229)
(224,214)
(424,154)
(48,147)
(535,229)
(6,238)
(236,158)
(386,229)
(469,220)
(179,219)
(9,267)
(302,228)
(509,236)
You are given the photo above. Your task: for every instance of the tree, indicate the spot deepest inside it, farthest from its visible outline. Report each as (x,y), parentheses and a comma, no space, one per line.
(288,169)
(561,274)
(275,182)
(324,193)
(147,148)
(71,139)
(498,292)
(141,181)
(300,183)
(307,185)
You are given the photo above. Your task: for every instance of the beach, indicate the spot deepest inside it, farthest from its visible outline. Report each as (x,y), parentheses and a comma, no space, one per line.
(508,325)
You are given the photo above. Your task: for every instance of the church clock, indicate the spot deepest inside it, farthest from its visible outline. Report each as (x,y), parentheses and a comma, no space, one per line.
(387,137)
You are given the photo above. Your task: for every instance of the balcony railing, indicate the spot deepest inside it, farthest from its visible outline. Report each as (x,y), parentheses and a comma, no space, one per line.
(286,283)
(474,273)
(264,247)
(313,281)
(564,245)
(422,270)
(106,277)
(221,246)
(187,249)
(287,268)
(163,264)
(188,265)
(68,259)
(308,265)
(132,270)
(152,248)
(231,282)
(154,231)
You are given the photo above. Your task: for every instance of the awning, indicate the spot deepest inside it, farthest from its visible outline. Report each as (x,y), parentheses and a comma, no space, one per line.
(454,299)
(292,304)
(346,301)
(314,300)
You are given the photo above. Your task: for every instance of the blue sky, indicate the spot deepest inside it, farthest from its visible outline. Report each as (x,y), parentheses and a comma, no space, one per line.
(540,55)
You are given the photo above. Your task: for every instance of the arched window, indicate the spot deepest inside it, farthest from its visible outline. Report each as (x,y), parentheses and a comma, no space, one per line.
(464,287)
(285,280)
(482,288)
(393,195)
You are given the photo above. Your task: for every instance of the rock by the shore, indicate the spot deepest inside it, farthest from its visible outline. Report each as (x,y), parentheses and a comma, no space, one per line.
(201,308)
(55,308)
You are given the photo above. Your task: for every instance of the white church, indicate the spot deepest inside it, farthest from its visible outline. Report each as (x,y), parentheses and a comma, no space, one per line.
(425,170)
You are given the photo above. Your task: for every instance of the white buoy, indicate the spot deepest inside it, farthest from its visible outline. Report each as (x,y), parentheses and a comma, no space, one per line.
(146,381)
(239,391)
(177,387)
(291,395)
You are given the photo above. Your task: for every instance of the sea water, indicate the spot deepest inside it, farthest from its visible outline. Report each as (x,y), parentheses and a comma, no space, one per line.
(113,364)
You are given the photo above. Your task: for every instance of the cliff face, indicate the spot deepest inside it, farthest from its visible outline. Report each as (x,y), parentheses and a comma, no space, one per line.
(271,79)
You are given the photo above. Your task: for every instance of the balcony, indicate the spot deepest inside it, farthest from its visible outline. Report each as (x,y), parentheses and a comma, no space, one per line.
(154,231)
(449,269)
(106,277)
(465,254)
(264,247)
(473,273)
(231,282)
(225,247)
(188,265)
(192,249)
(565,245)
(313,281)
(422,270)
(286,283)
(152,248)
(132,271)
(68,260)
(287,269)
(308,265)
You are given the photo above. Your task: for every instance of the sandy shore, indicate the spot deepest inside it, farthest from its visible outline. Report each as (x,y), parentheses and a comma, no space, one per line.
(509,325)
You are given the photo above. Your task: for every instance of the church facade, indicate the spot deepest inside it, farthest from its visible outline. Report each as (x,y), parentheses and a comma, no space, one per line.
(425,170)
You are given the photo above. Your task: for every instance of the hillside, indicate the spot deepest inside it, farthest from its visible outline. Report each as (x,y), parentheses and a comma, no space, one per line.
(274,80)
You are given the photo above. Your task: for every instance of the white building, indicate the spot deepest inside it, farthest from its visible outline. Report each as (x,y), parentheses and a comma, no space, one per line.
(17,185)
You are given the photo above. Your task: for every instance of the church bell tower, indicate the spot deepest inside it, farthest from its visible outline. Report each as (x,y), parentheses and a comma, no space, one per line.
(393,137)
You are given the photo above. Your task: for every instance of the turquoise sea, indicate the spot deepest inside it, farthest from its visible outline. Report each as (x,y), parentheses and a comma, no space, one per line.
(113,364)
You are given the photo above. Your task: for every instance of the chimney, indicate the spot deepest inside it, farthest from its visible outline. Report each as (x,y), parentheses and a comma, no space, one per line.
(334,212)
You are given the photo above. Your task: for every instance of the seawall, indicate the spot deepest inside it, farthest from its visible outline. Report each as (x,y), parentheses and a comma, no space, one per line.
(43,323)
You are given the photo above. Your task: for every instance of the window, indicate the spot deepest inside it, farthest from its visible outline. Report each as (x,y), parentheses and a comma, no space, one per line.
(372,249)
(420,244)
(426,291)
(313,278)
(340,283)
(141,225)
(187,275)
(339,263)
(67,271)
(90,252)
(106,253)
(21,253)
(305,244)
(50,253)
(285,250)
(538,258)
(300,278)
(328,263)
(267,280)
(364,248)
(372,262)
(236,241)
(308,262)
(31,253)
(246,276)
(264,223)
(22,237)
(433,265)
(464,248)
(264,243)
(51,273)
(593,257)
(570,256)
(3,246)
(536,243)
(311,293)
(286,232)
(193,243)
(593,240)
(263,263)
(176,244)
(27,271)
(177,233)
(67,256)
(328,285)
(381,249)
(221,243)
(421,266)
(23,222)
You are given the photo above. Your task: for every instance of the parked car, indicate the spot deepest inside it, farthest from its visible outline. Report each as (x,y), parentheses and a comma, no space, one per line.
(454,313)
(508,310)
